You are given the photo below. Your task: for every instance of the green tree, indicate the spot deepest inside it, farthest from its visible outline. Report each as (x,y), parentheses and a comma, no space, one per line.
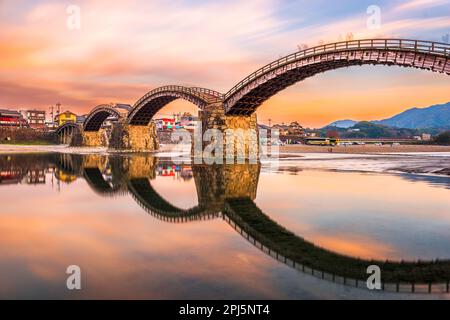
(443,138)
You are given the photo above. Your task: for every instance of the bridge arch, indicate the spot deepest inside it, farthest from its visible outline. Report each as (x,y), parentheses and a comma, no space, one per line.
(66,126)
(153,101)
(153,203)
(100,113)
(102,176)
(246,96)
(67,131)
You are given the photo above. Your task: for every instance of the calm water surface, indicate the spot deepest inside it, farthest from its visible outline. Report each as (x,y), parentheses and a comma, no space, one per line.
(141,227)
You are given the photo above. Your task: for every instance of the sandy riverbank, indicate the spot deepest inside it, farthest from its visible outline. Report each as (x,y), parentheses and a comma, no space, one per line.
(434,160)
(364,149)
(10,149)
(4,149)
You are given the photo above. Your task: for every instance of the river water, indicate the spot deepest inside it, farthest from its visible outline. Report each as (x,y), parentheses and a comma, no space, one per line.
(144,227)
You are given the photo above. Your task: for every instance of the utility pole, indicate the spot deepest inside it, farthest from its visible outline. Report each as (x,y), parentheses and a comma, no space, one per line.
(52,120)
(58,110)
(270,123)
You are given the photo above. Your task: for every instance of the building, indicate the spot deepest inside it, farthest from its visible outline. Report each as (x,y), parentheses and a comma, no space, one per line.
(187,121)
(426,136)
(12,118)
(165,123)
(35,176)
(282,129)
(34,118)
(81,119)
(65,117)
(10,176)
(295,129)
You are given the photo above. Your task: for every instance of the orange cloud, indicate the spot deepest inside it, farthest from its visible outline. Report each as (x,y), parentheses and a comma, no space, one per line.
(125,49)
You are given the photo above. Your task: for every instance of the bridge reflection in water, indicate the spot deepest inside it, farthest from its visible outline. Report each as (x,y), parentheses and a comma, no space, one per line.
(228,192)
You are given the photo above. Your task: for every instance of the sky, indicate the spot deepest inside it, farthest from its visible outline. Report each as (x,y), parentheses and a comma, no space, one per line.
(120,50)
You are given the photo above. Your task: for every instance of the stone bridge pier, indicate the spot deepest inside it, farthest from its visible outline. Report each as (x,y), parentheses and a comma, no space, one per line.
(217,183)
(136,138)
(94,138)
(234,136)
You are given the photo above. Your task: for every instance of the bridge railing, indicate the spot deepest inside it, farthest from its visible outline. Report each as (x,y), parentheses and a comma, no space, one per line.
(211,96)
(386,44)
(206,94)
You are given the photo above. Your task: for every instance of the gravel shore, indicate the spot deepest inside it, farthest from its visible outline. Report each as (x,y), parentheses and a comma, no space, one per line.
(364,149)
(5,148)
(10,149)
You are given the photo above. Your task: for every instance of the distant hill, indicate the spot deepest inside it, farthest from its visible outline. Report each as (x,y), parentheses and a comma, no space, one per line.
(437,116)
(343,123)
(366,129)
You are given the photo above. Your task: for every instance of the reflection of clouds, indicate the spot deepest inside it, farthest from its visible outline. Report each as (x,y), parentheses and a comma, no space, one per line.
(354,245)
(367,215)
(125,253)
(122,251)
(185,195)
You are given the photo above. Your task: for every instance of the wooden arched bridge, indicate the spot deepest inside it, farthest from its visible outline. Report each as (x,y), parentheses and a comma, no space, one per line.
(236,109)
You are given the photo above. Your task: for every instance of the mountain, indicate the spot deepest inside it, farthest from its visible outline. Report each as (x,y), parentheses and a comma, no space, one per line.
(343,123)
(437,116)
(367,129)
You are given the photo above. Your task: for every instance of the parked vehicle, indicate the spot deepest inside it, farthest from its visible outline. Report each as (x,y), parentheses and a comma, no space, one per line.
(322,141)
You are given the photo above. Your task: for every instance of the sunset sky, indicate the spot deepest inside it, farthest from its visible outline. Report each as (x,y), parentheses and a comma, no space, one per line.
(125,48)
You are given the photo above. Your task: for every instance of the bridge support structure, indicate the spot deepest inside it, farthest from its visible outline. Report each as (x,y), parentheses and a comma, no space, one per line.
(134,138)
(239,135)
(94,138)
(216,183)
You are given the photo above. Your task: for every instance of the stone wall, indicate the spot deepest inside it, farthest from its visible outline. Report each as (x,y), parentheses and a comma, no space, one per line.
(240,133)
(140,166)
(216,183)
(95,161)
(126,137)
(26,135)
(77,139)
(95,138)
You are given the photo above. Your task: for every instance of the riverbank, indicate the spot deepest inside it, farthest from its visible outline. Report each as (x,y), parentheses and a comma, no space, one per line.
(14,148)
(353,149)
(368,148)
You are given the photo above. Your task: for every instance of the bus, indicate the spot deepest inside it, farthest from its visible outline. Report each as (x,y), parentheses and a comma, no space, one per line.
(322,141)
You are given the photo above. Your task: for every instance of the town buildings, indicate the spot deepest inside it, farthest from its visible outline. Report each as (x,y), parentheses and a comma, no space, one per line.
(177,121)
(165,123)
(65,117)
(12,118)
(293,129)
(34,118)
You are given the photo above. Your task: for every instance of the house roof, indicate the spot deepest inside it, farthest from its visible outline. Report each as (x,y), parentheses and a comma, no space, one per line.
(10,112)
(66,113)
